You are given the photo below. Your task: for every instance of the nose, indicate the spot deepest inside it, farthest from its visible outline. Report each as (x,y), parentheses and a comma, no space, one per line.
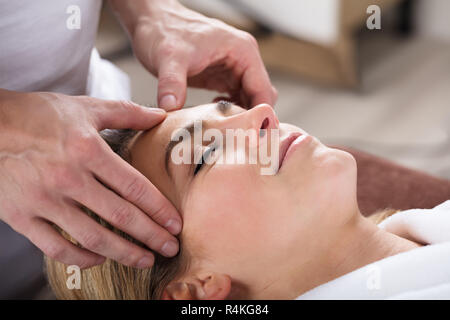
(261,118)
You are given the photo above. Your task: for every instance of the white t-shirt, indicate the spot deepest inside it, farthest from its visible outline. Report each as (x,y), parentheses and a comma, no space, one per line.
(39,52)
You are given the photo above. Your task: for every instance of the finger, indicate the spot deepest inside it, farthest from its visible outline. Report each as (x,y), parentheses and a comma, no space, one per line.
(123,114)
(94,237)
(255,80)
(128,218)
(129,183)
(221,98)
(256,85)
(55,246)
(172,84)
(274,95)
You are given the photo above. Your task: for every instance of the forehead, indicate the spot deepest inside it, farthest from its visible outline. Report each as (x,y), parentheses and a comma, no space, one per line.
(148,148)
(181,118)
(161,133)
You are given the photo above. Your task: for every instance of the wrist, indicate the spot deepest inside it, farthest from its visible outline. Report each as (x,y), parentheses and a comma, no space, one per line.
(9,119)
(7,98)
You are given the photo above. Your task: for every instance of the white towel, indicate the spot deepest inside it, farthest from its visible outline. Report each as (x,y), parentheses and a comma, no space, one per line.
(422,273)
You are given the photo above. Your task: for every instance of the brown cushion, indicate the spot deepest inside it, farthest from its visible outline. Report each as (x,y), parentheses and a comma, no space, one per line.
(383,184)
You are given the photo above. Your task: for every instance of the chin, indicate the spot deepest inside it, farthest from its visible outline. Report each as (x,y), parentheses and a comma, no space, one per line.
(333,161)
(333,184)
(344,160)
(338,170)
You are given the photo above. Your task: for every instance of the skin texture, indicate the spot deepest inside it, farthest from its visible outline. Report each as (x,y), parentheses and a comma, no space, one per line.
(238,224)
(182,47)
(52,159)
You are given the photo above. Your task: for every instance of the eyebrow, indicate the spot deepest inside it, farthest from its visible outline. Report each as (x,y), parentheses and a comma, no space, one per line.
(172,143)
(222,107)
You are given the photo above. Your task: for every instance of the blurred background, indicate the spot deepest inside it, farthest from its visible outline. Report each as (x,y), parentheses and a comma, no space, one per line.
(383,91)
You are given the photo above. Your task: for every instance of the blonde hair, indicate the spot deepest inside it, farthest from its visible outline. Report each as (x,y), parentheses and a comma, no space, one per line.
(379,216)
(114,281)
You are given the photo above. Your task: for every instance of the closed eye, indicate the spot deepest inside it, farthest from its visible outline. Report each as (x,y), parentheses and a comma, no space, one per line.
(205,158)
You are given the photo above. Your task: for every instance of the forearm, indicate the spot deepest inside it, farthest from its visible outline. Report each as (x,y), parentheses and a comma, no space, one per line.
(131,12)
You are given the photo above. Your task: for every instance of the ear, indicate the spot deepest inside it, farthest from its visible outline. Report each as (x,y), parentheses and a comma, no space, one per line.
(208,286)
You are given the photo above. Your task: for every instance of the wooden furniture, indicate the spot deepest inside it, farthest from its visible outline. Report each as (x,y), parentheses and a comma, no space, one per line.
(335,64)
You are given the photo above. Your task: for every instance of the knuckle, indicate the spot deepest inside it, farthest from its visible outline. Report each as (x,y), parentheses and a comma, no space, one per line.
(84,263)
(18,222)
(135,191)
(168,48)
(129,105)
(156,239)
(15,218)
(54,251)
(122,216)
(159,212)
(248,38)
(130,259)
(92,241)
(40,195)
(168,79)
(64,178)
(82,146)
(9,212)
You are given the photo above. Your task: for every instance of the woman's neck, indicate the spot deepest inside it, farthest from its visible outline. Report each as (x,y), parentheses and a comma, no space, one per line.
(357,244)
(362,244)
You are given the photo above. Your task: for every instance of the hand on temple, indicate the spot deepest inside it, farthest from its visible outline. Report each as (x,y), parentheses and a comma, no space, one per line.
(52,160)
(183,47)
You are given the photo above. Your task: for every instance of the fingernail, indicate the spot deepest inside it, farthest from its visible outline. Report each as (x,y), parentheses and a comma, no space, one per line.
(170,248)
(174,226)
(168,102)
(145,262)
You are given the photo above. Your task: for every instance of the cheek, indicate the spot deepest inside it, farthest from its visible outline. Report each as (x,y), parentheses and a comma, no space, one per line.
(224,212)
(326,178)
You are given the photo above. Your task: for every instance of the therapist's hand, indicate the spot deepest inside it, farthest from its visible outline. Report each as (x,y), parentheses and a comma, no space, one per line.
(183,47)
(52,160)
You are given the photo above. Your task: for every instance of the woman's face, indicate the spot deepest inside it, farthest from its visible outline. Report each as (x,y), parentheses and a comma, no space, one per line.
(236,220)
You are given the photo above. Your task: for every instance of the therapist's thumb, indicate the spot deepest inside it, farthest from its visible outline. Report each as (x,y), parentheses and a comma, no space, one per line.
(124,115)
(171,86)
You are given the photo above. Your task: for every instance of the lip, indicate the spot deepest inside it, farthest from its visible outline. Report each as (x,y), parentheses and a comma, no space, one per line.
(289,144)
